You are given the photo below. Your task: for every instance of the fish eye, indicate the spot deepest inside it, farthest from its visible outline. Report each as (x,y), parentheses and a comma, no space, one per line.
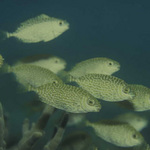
(110,63)
(135,136)
(126,90)
(56,61)
(55,81)
(91,102)
(139,119)
(60,23)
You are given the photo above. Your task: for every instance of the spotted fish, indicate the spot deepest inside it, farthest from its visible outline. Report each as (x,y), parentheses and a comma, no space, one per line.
(141,101)
(66,97)
(105,87)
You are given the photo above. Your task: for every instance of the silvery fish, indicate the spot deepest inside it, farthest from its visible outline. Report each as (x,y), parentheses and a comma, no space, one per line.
(105,87)
(135,120)
(141,101)
(76,119)
(41,28)
(117,133)
(53,63)
(1,60)
(33,75)
(99,65)
(66,97)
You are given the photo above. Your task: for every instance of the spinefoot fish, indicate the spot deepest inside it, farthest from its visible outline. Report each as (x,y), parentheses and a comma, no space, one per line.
(67,97)
(141,101)
(117,133)
(105,87)
(37,29)
(135,120)
(99,65)
(34,75)
(53,63)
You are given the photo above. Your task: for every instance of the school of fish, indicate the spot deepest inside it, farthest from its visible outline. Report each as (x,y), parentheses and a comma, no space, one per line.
(79,90)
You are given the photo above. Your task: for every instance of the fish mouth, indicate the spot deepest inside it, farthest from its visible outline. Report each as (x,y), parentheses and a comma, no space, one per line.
(118,67)
(132,95)
(98,108)
(65,64)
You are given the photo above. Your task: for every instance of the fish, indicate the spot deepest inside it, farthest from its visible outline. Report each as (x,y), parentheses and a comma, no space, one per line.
(40,28)
(117,133)
(135,120)
(76,119)
(105,87)
(141,101)
(53,63)
(77,140)
(67,97)
(1,60)
(98,65)
(32,75)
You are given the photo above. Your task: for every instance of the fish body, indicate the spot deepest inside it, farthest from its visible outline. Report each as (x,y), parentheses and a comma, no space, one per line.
(138,122)
(76,119)
(41,28)
(66,97)
(105,87)
(53,63)
(141,101)
(33,75)
(99,65)
(1,60)
(117,133)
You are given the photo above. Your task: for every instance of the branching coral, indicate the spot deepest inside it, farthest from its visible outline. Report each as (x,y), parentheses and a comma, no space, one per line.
(2,129)
(30,136)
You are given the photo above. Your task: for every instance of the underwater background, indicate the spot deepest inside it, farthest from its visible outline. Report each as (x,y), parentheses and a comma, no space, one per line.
(118,29)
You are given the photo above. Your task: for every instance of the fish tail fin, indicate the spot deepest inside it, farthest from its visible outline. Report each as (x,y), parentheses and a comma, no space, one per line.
(3,35)
(22,88)
(30,87)
(5,68)
(87,123)
(65,76)
(70,78)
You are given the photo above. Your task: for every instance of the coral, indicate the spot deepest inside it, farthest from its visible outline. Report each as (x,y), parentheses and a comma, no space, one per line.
(30,136)
(2,129)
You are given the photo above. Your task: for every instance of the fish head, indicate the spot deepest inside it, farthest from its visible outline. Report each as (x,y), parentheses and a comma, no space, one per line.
(126,92)
(140,122)
(59,26)
(134,137)
(90,104)
(110,66)
(55,64)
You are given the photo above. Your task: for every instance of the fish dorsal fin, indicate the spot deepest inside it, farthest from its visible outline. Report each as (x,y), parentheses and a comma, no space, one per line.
(34,58)
(36,19)
(111,122)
